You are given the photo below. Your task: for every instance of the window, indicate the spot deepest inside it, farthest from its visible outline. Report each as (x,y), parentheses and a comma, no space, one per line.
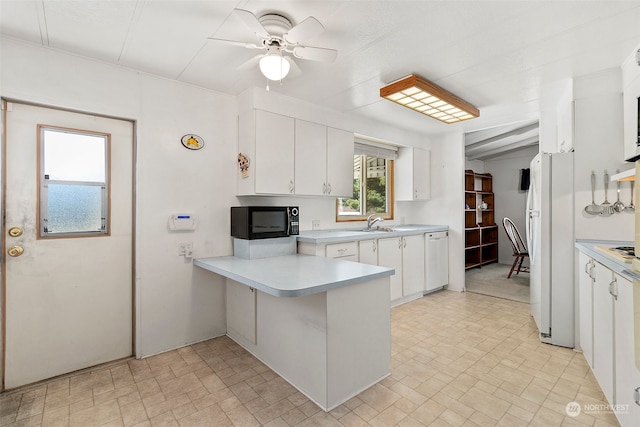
(372,184)
(73,182)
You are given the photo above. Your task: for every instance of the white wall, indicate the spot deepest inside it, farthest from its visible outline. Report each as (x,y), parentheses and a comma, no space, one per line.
(598,141)
(510,201)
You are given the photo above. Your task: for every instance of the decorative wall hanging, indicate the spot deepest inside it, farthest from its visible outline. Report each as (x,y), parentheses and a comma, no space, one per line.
(192,142)
(243,164)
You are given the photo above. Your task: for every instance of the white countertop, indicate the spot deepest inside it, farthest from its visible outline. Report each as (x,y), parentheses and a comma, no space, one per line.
(293,275)
(339,235)
(589,247)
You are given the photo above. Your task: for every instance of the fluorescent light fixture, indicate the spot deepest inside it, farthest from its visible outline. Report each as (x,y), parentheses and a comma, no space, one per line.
(274,66)
(425,97)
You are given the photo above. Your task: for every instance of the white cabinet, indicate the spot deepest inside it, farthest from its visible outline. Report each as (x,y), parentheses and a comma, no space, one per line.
(323,160)
(413,261)
(390,255)
(627,375)
(267,139)
(436,260)
(310,158)
(405,255)
(368,251)
(585,290)
(412,174)
(603,330)
(241,312)
(339,163)
(292,156)
(347,251)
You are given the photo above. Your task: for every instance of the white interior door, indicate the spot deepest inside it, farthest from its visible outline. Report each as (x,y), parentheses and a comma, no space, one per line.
(68,300)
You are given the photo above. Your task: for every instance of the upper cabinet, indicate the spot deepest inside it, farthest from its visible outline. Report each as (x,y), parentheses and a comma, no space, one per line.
(412,174)
(291,156)
(323,160)
(267,140)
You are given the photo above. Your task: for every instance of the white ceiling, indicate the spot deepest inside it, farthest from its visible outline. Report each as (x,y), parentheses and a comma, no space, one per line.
(494,54)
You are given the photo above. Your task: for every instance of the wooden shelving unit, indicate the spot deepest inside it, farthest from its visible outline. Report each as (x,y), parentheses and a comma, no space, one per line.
(481,231)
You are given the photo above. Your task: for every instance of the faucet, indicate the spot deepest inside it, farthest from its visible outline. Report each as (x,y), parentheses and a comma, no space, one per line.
(371,221)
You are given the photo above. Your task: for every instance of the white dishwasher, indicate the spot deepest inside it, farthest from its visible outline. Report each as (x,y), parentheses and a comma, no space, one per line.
(437,257)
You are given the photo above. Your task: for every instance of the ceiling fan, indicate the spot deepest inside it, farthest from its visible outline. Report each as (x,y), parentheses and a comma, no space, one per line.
(278,36)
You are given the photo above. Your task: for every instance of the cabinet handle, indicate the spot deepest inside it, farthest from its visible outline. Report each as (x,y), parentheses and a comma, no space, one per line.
(613,289)
(324,188)
(416,193)
(586,268)
(329,188)
(291,187)
(636,395)
(375,246)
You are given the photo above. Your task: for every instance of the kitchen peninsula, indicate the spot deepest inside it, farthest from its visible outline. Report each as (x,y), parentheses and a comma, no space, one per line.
(322,324)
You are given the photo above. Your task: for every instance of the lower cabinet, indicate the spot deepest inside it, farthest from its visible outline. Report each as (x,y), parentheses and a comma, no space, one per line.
(607,335)
(585,291)
(603,330)
(368,251)
(420,260)
(406,255)
(241,311)
(627,375)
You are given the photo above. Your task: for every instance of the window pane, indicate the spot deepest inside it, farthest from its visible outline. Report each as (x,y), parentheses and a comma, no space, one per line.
(352,206)
(74,208)
(74,157)
(376,200)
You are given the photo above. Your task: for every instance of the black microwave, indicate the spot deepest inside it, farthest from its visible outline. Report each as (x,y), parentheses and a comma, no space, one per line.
(264,222)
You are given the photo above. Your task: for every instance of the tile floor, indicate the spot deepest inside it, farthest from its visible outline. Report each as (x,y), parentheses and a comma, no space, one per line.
(459,359)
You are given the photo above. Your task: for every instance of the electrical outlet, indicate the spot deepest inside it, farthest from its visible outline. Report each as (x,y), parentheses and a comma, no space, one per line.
(182,248)
(315,224)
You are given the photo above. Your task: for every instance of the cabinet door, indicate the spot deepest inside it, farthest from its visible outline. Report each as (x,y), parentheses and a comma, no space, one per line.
(437,261)
(421,175)
(274,162)
(390,255)
(241,311)
(339,163)
(368,252)
(585,289)
(310,158)
(626,370)
(603,330)
(413,265)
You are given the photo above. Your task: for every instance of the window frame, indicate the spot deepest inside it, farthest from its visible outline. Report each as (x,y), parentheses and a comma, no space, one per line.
(43,182)
(390,194)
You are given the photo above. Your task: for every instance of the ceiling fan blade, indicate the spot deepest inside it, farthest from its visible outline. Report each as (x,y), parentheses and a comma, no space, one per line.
(252,22)
(315,53)
(307,29)
(251,63)
(237,43)
(294,71)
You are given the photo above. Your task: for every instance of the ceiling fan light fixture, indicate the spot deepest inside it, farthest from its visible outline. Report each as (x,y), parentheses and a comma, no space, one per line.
(274,66)
(430,99)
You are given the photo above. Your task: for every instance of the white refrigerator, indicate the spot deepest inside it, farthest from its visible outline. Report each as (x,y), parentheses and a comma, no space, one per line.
(550,240)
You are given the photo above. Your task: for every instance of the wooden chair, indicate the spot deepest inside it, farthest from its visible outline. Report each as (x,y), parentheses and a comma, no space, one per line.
(520,251)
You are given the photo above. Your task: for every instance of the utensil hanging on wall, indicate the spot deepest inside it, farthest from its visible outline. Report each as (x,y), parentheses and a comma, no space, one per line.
(607,208)
(593,208)
(631,207)
(618,206)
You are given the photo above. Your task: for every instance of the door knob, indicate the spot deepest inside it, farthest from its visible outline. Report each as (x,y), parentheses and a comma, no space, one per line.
(15,232)
(15,251)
